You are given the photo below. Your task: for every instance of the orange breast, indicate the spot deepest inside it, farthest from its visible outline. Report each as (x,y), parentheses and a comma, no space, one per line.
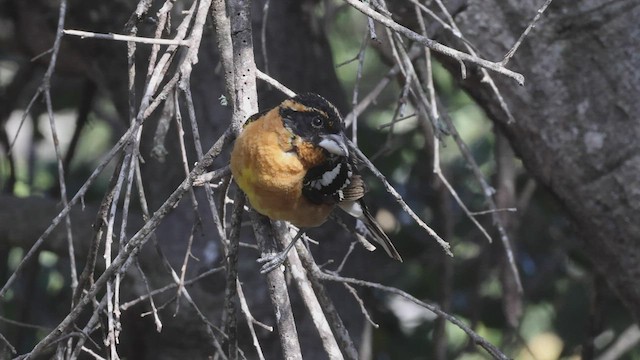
(268,169)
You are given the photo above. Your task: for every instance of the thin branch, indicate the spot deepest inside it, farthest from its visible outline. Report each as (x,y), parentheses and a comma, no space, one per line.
(515,47)
(251,321)
(485,74)
(8,344)
(628,340)
(194,202)
(490,348)
(335,321)
(195,38)
(157,72)
(90,352)
(154,309)
(454,193)
(432,44)
(26,112)
(363,309)
(118,37)
(46,89)
(278,292)
(390,189)
(273,82)
(381,85)
(356,85)
(488,192)
(506,174)
(231,288)
(491,211)
(89,327)
(161,24)
(23,324)
(263,35)
(142,298)
(54,223)
(134,244)
(308,296)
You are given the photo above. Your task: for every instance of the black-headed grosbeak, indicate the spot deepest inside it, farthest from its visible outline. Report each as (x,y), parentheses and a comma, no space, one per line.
(293,163)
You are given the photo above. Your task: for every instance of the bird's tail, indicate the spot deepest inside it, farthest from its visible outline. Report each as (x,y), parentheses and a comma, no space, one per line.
(378,234)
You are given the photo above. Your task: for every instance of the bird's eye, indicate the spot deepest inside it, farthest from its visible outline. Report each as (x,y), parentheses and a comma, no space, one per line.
(317,122)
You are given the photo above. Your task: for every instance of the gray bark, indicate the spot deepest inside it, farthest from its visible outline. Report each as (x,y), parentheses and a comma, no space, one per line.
(577,122)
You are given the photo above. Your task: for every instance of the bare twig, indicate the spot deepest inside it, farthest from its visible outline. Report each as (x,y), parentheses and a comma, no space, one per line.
(263,35)
(491,211)
(251,321)
(192,195)
(506,197)
(485,74)
(23,324)
(373,94)
(191,58)
(154,309)
(89,328)
(363,309)
(161,24)
(490,348)
(118,37)
(445,245)
(371,26)
(90,352)
(8,344)
(273,82)
(337,326)
(356,85)
(141,298)
(524,34)
(433,15)
(112,316)
(54,223)
(308,295)
(139,239)
(231,289)
(488,192)
(278,292)
(627,340)
(26,112)
(432,44)
(46,89)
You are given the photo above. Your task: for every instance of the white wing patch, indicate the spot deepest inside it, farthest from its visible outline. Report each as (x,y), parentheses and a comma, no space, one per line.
(353,208)
(330,184)
(329,176)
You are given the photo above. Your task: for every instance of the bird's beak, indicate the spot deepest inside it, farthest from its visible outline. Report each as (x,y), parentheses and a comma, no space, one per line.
(335,144)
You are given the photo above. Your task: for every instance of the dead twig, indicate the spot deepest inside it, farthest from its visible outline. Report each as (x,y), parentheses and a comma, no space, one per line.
(432,44)
(117,37)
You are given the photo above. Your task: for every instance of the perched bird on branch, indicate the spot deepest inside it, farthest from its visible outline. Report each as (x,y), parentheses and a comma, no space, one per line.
(293,163)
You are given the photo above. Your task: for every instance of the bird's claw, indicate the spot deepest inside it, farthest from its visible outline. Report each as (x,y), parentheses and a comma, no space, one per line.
(271,262)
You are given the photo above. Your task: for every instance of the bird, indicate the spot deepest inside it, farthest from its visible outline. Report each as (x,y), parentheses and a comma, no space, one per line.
(293,163)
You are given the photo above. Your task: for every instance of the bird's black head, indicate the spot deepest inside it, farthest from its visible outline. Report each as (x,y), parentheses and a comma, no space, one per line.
(315,120)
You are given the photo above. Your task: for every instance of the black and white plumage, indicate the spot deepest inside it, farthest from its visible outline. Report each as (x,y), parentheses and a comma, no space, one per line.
(336,182)
(327,183)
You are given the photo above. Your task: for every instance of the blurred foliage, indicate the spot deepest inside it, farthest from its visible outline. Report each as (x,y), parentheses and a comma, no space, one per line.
(558,282)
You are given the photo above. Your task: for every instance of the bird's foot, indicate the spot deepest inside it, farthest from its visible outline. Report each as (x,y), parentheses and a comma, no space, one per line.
(271,261)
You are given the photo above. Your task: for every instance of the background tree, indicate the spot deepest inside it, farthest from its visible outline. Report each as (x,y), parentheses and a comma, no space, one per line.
(572,125)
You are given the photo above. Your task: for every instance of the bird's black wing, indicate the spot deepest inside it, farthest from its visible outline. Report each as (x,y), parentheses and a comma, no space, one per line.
(334,182)
(326,183)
